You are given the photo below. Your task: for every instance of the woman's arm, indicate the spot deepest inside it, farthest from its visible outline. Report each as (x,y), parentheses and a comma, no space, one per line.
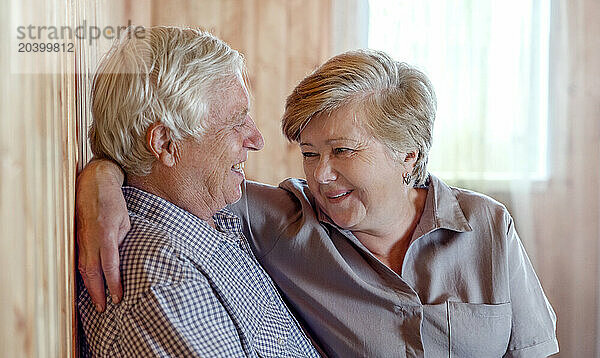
(102,223)
(533,319)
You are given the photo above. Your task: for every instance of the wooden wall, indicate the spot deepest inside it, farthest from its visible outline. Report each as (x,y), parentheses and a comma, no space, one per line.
(38,158)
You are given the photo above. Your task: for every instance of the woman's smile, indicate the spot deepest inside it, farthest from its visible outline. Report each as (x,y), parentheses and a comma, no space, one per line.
(337,196)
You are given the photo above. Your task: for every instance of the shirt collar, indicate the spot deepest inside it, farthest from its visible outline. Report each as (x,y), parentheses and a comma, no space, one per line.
(180,222)
(442,210)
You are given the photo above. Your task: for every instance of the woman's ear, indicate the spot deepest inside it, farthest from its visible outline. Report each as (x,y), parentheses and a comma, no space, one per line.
(158,140)
(411,158)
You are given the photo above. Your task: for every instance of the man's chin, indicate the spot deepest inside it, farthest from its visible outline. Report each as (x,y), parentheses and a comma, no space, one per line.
(236,193)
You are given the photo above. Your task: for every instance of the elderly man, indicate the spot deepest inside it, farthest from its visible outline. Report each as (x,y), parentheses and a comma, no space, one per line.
(171,108)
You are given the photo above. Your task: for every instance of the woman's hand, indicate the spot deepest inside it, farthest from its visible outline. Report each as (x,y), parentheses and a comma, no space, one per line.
(102,223)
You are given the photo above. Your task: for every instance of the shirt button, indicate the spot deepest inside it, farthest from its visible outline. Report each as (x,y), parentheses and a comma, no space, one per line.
(280,341)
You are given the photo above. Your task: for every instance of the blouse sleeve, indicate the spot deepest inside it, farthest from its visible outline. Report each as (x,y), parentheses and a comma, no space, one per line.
(533,319)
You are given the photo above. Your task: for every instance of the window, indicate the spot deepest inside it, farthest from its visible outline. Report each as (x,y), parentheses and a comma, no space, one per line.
(488,61)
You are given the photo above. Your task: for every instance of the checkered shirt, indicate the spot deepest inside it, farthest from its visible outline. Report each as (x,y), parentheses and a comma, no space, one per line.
(189,291)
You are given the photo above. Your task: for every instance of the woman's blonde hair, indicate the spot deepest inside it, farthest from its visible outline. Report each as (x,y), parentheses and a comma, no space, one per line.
(163,74)
(395,101)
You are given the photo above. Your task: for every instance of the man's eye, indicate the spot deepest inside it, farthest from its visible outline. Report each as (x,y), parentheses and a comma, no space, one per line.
(342,150)
(309,154)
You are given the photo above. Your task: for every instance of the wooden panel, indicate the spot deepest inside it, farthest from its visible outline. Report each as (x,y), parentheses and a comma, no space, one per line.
(204,13)
(270,83)
(37,189)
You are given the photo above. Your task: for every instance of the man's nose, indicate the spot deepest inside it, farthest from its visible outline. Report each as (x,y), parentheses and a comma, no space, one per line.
(324,172)
(254,140)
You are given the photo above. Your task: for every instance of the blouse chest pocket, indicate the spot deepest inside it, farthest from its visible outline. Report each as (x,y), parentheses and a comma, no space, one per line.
(457,329)
(479,330)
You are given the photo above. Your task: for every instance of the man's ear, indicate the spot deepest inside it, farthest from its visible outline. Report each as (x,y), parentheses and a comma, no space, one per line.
(158,140)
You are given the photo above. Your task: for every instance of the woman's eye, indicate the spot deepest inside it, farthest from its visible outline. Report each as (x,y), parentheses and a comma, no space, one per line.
(342,150)
(309,154)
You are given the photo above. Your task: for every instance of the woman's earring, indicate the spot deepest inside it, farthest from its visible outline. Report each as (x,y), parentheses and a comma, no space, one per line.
(406,178)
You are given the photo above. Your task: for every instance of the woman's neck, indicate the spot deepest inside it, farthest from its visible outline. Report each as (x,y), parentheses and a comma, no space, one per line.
(390,243)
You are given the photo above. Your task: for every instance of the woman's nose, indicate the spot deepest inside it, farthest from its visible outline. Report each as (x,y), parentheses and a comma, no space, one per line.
(324,173)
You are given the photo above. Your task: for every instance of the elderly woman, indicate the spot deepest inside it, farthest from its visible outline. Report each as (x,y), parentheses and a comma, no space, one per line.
(376,257)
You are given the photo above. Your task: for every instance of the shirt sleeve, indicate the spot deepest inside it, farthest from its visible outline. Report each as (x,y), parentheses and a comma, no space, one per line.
(180,320)
(533,319)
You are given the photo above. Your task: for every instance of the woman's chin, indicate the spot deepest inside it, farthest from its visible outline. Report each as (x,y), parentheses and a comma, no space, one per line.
(346,218)
(347,222)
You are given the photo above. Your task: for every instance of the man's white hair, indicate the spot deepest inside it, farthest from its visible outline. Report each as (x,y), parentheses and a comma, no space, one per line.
(162,74)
